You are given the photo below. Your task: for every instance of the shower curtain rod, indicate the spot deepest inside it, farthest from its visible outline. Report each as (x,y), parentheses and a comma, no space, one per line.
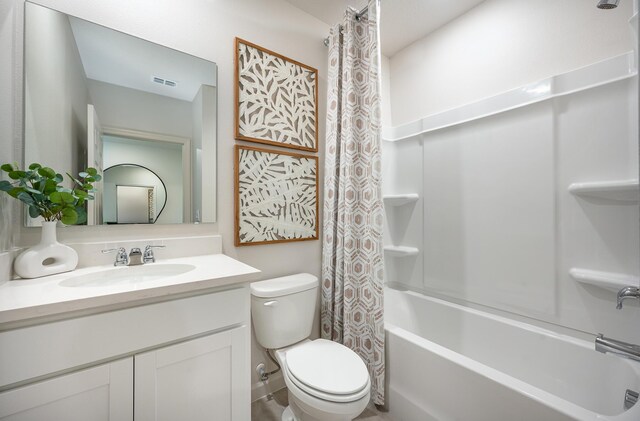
(358,16)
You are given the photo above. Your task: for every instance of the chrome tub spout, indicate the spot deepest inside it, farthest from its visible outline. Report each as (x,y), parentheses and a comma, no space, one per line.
(622,349)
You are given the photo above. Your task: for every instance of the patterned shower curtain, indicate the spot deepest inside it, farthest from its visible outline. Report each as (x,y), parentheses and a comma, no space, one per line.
(352,258)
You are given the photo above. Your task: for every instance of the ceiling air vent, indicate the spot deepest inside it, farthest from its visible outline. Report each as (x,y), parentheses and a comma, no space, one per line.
(163,81)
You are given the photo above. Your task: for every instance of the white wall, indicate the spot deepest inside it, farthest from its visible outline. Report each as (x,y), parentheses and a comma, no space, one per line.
(495,222)
(204,28)
(56,93)
(501,45)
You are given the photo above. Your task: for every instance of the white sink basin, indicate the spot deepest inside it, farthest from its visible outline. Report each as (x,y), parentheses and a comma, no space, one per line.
(128,275)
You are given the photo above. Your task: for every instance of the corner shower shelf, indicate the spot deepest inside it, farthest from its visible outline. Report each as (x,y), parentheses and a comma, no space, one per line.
(400,199)
(606,280)
(618,190)
(400,251)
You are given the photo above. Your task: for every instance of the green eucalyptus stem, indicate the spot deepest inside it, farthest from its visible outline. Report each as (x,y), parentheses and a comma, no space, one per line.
(40,189)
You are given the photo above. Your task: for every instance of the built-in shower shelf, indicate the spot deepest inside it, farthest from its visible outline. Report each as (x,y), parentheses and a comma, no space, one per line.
(401,251)
(593,76)
(618,190)
(606,280)
(400,199)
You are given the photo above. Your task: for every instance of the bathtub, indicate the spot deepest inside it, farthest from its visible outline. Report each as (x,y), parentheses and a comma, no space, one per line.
(449,362)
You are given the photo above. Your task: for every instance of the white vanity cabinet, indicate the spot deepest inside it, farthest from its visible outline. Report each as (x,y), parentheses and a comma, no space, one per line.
(201,379)
(181,359)
(101,393)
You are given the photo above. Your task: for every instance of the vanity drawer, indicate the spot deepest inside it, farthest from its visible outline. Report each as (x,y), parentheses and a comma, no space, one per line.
(41,350)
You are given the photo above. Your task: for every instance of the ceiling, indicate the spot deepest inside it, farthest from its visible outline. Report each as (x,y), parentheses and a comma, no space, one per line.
(120,59)
(402,21)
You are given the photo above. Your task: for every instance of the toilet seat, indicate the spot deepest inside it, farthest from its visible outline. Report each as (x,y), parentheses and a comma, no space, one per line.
(327,370)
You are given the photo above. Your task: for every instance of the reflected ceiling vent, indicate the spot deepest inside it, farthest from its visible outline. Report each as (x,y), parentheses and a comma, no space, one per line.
(608,4)
(163,81)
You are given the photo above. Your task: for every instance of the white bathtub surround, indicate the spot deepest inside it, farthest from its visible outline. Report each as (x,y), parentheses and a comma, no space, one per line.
(588,77)
(475,365)
(352,262)
(523,205)
(47,257)
(524,157)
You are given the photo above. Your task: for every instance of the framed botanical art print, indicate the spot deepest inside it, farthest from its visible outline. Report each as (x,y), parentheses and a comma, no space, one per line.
(276,196)
(276,99)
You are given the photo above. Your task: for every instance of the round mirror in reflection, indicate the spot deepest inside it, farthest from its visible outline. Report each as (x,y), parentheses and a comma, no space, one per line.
(133,194)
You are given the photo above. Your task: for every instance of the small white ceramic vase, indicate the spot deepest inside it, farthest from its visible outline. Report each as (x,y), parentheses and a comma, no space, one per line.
(47,258)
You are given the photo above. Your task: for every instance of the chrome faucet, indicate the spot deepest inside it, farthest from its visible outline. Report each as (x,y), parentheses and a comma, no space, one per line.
(148,254)
(121,256)
(622,349)
(135,257)
(627,292)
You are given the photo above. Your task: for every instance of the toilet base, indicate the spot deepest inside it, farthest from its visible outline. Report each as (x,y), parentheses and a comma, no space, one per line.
(300,415)
(287,415)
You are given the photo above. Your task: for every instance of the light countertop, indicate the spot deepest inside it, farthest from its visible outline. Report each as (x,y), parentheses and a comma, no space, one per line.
(31,301)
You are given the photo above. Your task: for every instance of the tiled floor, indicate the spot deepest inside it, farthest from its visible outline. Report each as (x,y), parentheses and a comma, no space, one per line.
(271,409)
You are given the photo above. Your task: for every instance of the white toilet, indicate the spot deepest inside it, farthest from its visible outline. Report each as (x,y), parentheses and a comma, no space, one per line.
(326,380)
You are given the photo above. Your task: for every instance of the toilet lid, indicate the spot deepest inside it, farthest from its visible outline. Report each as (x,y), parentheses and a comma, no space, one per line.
(328,367)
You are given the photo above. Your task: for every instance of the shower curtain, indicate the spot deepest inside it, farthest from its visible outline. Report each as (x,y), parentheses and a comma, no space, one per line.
(352,258)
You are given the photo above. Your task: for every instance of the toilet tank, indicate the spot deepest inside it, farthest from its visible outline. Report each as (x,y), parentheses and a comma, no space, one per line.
(283,309)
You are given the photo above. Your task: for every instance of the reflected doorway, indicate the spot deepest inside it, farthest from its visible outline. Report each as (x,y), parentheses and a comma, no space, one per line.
(155,169)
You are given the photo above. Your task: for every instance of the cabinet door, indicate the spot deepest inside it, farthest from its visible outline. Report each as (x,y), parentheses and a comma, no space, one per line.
(201,379)
(102,393)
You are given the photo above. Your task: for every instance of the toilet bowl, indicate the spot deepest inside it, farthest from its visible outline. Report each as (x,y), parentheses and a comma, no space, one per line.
(326,380)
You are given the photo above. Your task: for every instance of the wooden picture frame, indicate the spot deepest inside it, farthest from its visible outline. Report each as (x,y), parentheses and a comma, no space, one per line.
(290,212)
(265,112)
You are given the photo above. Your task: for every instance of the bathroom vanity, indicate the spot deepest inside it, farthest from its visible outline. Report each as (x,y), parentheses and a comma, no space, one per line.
(154,348)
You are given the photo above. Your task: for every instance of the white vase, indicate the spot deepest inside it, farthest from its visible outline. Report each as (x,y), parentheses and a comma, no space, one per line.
(47,258)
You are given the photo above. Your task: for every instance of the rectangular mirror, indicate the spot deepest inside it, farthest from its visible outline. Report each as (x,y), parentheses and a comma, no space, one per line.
(144,115)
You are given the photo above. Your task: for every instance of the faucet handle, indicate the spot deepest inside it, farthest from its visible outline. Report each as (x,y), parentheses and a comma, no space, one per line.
(121,257)
(149,257)
(627,292)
